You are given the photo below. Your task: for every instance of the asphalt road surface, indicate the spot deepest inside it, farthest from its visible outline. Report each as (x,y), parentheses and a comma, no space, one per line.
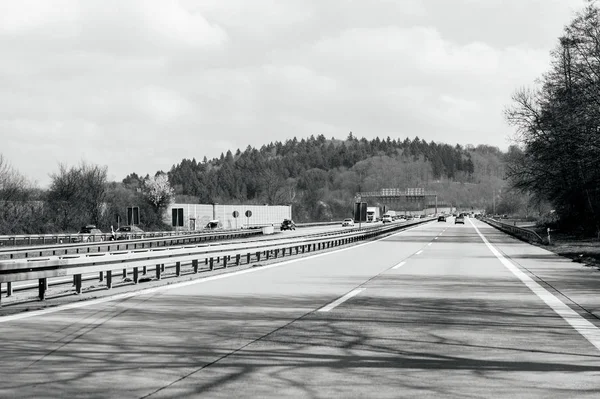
(440,310)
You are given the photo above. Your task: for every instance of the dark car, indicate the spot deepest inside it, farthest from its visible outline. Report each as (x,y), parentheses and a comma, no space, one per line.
(460,219)
(128,232)
(288,224)
(442,218)
(213,224)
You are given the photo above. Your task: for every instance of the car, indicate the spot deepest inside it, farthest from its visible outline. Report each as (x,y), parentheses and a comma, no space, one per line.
(422,217)
(128,232)
(87,232)
(213,224)
(460,219)
(288,224)
(387,219)
(402,219)
(441,218)
(348,222)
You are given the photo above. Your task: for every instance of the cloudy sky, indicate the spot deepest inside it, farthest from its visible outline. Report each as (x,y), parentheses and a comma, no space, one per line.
(139,85)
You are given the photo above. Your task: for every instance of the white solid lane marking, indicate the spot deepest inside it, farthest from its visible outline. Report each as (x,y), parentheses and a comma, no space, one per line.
(429,244)
(419,252)
(584,327)
(19,316)
(399,265)
(343,299)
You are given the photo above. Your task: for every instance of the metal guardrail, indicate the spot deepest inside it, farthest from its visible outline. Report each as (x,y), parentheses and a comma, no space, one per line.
(107,246)
(42,269)
(518,232)
(68,238)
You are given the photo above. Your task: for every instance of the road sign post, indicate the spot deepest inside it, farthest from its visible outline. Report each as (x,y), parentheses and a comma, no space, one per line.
(235,215)
(248,214)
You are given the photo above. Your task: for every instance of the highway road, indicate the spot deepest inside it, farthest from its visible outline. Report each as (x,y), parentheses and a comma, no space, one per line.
(439,310)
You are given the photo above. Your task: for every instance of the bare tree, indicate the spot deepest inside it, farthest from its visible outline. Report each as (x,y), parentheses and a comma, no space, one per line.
(15,192)
(78,194)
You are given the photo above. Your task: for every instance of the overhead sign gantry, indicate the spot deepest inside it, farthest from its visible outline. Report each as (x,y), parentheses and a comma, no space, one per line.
(396,196)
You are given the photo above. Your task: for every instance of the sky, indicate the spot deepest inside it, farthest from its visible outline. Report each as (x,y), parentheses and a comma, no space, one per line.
(137,86)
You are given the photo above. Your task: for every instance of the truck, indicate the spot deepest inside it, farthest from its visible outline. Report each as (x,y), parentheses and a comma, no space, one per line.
(374,214)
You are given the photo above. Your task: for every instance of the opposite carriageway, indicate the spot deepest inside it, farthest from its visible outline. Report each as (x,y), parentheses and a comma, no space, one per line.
(98,243)
(181,259)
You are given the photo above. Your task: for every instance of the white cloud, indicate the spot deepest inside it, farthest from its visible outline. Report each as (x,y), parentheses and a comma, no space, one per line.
(138,85)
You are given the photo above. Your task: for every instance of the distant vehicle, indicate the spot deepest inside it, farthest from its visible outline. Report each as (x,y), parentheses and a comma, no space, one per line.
(410,217)
(374,213)
(288,224)
(213,224)
(441,218)
(88,229)
(128,232)
(348,222)
(422,217)
(401,219)
(392,214)
(387,219)
(459,219)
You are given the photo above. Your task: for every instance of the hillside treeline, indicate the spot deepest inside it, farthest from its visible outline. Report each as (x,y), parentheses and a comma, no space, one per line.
(558,128)
(320,176)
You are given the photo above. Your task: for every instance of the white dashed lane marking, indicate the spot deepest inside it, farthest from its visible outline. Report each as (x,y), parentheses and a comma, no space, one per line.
(399,265)
(341,300)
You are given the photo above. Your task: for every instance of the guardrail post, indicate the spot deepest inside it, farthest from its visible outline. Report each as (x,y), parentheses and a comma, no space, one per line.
(144,270)
(211,263)
(136,275)
(101,276)
(258,256)
(42,288)
(248,258)
(237,259)
(124,273)
(225,262)
(158,270)
(9,289)
(267,253)
(77,280)
(178,269)
(162,267)
(109,279)
(0,294)
(195,265)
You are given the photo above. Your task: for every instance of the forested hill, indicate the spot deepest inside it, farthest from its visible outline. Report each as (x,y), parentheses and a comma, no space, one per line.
(320,176)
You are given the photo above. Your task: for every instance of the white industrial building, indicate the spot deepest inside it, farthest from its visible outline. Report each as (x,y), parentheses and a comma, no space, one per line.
(197,216)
